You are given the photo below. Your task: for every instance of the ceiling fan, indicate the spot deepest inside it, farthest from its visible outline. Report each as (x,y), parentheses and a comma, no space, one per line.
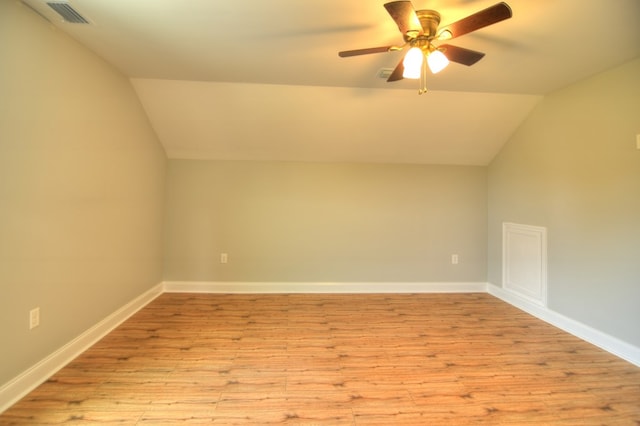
(420,29)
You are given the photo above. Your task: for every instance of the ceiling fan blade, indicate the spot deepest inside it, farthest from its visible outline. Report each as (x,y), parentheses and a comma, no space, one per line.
(347,53)
(460,54)
(397,72)
(491,15)
(405,16)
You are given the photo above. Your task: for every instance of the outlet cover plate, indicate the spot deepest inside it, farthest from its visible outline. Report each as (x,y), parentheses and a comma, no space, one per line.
(34,318)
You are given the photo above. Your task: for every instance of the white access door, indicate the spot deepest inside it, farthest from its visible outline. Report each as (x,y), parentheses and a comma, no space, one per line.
(524,261)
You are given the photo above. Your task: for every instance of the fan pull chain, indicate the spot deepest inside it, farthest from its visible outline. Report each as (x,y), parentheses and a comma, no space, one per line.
(423,78)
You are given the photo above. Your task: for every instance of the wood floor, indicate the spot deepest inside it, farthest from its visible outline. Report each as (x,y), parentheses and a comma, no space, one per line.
(424,359)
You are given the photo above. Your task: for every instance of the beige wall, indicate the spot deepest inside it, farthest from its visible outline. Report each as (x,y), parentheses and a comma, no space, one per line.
(573,166)
(320,222)
(81,190)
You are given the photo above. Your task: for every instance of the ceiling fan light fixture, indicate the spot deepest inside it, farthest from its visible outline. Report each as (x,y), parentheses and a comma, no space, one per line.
(437,61)
(413,63)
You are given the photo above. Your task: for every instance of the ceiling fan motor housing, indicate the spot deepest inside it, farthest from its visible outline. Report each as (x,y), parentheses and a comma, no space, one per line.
(429,20)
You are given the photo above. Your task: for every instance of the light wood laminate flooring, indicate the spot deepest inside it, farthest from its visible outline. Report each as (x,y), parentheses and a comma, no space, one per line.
(318,359)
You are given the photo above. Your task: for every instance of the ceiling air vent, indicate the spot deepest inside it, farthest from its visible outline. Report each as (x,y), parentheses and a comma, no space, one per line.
(68,13)
(385,73)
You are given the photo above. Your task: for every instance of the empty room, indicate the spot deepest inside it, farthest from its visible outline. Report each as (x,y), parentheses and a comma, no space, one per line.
(320,212)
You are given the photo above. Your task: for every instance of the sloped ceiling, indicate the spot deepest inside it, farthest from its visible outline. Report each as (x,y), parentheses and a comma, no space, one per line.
(258,80)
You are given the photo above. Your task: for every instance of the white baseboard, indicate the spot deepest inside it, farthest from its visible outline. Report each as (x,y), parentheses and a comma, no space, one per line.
(24,383)
(604,341)
(315,287)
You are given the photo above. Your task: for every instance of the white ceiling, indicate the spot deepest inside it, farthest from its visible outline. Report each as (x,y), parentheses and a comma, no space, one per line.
(258,79)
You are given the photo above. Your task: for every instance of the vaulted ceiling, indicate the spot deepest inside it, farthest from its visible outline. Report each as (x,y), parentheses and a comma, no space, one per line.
(261,80)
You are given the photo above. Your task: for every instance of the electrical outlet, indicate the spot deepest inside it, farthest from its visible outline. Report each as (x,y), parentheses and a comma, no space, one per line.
(224,258)
(34,318)
(454,259)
